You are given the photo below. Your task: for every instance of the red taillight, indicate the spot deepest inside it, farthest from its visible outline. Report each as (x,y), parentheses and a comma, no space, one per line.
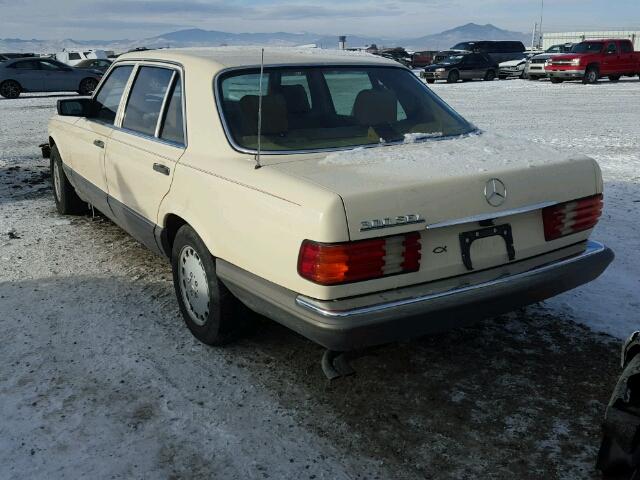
(335,263)
(571,217)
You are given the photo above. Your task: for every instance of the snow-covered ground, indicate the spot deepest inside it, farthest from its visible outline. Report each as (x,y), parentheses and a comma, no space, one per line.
(602,121)
(99,377)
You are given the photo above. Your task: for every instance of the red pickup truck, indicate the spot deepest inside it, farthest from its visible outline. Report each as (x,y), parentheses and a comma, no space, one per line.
(593,59)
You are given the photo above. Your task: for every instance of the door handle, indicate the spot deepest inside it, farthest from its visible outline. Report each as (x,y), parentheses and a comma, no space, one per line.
(98,143)
(158,167)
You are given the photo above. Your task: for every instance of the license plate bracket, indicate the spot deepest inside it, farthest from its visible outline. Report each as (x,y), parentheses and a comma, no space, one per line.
(467,239)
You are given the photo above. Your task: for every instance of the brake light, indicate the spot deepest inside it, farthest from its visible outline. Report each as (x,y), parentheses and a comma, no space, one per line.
(336,263)
(571,217)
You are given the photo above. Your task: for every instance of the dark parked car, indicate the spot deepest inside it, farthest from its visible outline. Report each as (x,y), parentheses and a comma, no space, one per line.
(100,64)
(44,75)
(499,51)
(462,66)
(619,456)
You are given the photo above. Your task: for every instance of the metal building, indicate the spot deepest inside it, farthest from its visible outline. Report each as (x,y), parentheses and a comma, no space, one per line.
(549,39)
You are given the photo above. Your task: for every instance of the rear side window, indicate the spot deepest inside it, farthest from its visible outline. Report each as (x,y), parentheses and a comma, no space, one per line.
(611,48)
(28,65)
(173,124)
(145,100)
(74,56)
(626,47)
(344,87)
(109,96)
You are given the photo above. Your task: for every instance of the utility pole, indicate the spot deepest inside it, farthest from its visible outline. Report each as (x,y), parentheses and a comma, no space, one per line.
(541,15)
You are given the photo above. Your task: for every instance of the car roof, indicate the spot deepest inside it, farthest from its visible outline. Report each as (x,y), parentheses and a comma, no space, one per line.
(220,58)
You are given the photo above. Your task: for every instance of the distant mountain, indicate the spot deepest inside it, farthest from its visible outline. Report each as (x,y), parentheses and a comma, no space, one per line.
(464,33)
(199,38)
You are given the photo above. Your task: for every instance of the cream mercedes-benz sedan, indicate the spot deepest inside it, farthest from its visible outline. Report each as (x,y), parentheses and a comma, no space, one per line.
(330,191)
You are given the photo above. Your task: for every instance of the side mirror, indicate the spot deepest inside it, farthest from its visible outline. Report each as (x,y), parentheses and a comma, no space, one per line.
(81,107)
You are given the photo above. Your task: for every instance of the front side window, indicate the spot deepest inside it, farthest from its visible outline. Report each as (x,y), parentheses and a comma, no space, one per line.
(351,106)
(50,65)
(145,100)
(74,56)
(108,98)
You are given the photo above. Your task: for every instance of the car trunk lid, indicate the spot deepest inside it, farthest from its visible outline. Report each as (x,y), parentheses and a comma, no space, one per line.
(450,187)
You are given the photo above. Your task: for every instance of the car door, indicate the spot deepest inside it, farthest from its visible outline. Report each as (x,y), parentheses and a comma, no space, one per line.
(142,153)
(626,57)
(611,61)
(57,77)
(28,74)
(85,153)
(466,67)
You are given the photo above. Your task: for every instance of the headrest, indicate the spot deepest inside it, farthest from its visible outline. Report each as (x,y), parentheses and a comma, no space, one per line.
(296,98)
(375,107)
(274,114)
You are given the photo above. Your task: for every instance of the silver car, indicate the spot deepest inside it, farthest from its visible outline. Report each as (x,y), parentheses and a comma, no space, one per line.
(44,75)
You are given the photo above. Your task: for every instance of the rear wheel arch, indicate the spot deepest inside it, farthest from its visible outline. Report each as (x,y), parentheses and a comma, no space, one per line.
(171,225)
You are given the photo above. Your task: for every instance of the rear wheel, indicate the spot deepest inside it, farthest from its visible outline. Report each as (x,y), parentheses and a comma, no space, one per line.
(614,78)
(591,75)
(67,200)
(211,312)
(556,80)
(87,86)
(453,77)
(10,89)
(490,76)
(431,81)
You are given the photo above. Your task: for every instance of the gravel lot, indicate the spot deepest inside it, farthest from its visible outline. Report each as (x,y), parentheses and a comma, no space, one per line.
(100,378)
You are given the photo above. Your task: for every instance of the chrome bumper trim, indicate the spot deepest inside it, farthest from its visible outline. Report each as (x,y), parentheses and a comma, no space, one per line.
(592,248)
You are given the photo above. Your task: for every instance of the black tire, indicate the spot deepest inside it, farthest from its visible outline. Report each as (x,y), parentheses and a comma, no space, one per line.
(10,89)
(453,76)
(87,86)
(490,76)
(556,80)
(591,76)
(614,462)
(431,81)
(614,78)
(67,200)
(223,316)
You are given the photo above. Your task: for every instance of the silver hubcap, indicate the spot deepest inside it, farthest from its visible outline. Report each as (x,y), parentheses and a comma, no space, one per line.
(193,285)
(57,180)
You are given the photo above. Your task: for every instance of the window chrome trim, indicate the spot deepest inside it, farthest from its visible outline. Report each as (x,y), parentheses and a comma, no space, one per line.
(490,216)
(163,107)
(241,149)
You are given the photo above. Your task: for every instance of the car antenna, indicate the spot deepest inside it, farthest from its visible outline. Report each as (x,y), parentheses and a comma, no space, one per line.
(258,165)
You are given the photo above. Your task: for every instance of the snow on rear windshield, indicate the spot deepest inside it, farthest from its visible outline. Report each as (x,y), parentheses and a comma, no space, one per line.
(314,108)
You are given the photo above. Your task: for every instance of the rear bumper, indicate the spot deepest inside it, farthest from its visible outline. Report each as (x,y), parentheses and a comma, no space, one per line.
(435,75)
(408,312)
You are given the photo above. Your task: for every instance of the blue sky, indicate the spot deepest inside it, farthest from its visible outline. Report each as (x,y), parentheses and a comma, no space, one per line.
(133,19)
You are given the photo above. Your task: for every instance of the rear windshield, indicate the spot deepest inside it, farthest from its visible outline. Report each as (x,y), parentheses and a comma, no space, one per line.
(587,47)
(314,108)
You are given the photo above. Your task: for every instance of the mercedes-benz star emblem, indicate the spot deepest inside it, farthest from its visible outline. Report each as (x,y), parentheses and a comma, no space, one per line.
(495,192)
